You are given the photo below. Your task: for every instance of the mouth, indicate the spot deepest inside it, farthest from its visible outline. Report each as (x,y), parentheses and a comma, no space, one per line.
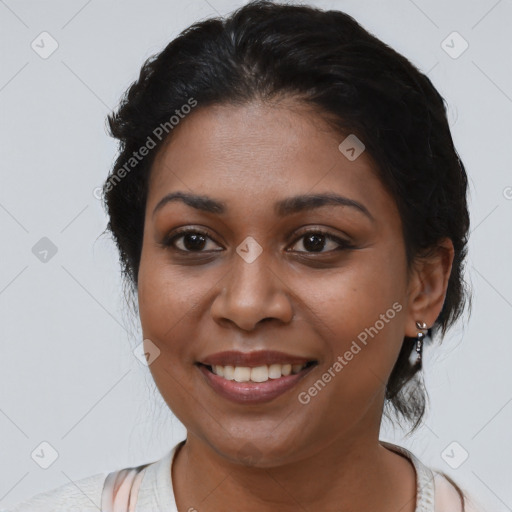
(254,384)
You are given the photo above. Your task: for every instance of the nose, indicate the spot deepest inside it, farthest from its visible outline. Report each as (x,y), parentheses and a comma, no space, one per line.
(250,294)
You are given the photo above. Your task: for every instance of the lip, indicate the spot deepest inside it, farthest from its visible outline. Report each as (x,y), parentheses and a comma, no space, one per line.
(252,359)
(252,392)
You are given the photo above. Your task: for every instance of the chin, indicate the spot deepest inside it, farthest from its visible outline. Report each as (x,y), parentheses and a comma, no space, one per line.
(253,451)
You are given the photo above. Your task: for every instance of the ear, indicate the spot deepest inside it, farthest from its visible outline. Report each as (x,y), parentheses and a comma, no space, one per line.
(427,286)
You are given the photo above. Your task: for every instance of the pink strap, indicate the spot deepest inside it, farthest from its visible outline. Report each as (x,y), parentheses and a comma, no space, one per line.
(447,498)
(121,489)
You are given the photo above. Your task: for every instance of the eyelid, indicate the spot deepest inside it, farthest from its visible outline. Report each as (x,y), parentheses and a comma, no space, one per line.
(318,229)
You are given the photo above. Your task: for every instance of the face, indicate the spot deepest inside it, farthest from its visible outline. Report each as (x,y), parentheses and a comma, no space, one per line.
(321,281)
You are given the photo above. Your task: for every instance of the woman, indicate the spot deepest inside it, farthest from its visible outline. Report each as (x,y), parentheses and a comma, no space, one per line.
(291,213)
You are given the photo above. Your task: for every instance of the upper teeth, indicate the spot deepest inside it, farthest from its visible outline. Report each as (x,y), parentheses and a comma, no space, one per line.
(258,373)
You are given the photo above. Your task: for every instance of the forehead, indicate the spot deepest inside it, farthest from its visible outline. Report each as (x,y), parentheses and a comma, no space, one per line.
(257,152)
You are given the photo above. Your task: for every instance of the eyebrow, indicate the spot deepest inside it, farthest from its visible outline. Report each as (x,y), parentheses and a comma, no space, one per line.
(284,207)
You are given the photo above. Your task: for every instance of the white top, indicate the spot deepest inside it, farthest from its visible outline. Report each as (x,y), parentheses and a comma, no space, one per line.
(148,488)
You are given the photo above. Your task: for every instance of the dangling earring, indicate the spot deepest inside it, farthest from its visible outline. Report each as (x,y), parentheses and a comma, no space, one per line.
(422,326)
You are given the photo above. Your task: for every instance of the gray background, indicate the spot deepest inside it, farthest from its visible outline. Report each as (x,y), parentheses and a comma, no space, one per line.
(68,374)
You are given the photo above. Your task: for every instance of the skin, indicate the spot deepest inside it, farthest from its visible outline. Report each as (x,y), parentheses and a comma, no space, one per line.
(324,455)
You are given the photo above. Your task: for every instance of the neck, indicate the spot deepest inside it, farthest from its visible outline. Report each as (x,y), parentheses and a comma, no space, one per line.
(351,473)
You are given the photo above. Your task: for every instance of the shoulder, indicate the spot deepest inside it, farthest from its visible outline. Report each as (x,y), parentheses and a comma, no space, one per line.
(105,492)
(80,496)
(436,491)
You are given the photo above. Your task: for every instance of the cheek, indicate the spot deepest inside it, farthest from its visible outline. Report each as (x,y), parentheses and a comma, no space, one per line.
(172,302)
(360,312)
(167,304)
(162,297)
(352,299)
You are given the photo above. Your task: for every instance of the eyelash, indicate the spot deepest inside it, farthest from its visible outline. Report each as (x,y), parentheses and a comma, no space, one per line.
(168,242)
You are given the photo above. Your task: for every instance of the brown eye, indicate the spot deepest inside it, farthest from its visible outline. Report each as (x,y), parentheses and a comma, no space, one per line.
(317,240)
(189,240)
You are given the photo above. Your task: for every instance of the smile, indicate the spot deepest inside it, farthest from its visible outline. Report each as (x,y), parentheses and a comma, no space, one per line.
(253,385)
